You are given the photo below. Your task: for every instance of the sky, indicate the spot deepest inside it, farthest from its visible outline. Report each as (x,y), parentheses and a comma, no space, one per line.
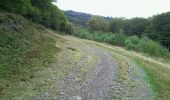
(117,8)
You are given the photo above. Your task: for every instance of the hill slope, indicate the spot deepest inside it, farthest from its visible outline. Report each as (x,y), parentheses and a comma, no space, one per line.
(80,18)
(37,63)
(24,47)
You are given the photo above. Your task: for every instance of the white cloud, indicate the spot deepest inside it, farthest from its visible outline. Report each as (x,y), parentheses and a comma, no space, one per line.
(117,8)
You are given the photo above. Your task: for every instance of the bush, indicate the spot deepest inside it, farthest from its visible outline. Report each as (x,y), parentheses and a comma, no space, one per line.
(107,37)
(69,28)
(132,43)
(135,43)
(84,34)
(118,39)
(97,36)
(96,23)
(153,48)
(39,11)
(147,46)
(35,15)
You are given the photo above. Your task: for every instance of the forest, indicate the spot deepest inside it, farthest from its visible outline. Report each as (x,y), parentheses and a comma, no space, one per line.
(137,33)
(39,11)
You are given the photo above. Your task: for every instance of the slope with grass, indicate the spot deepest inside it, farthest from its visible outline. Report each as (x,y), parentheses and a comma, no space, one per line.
(36,63)
(25,47)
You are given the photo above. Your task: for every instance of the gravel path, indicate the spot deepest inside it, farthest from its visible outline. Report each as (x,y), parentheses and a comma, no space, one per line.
(98,81)
(95,76)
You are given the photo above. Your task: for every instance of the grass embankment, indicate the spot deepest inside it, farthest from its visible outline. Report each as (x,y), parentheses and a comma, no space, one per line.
(25,47)
(157,70)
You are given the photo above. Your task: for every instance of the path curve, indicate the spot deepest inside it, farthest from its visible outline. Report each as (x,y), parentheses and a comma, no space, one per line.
(93,77)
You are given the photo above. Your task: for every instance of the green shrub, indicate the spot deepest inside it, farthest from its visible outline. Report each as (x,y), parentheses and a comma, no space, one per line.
(135,43)
(97,36)
(132,42)
(147,46)
(84,34)
(35,14)
(39,11)
(69,28)
(118,39)
(97,23)
(151,47)
(107,37)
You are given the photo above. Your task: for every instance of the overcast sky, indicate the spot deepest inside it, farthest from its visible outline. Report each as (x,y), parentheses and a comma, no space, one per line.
(117,8)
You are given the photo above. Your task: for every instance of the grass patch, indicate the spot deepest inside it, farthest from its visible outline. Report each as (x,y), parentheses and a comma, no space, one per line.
(158,77)
(23,52)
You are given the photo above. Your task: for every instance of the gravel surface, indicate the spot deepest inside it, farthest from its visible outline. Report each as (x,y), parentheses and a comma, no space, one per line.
(99,81)
(95,76)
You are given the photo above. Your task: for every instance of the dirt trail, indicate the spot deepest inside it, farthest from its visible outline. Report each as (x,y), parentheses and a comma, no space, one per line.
(94,75)
(99,81)
(88,78)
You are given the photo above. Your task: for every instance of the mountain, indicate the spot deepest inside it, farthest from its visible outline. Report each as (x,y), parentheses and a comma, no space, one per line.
(77,17)
(80,18)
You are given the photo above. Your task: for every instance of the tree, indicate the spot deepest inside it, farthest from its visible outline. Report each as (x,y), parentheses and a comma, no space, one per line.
(42,4)
(97,23)
(159,28)
(15,6)
(39,11)
(135,26)
(69,28)
(116,25)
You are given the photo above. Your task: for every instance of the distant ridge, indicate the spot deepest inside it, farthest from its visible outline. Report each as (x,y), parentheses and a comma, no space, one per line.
(80,18)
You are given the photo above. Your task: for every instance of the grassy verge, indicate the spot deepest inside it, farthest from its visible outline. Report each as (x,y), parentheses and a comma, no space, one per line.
(158,76)
(25,47)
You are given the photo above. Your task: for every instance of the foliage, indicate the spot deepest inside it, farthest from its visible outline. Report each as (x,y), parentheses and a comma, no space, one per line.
(153,48)
(132,43)
(77,18)
(156,27)
(159,28)
(116,24)
(39,11)
(23,46)
(146,45)
(118,39)
(97,23)
(135,43)
(135,26)
(69,28)
(15,6)
(80,18)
